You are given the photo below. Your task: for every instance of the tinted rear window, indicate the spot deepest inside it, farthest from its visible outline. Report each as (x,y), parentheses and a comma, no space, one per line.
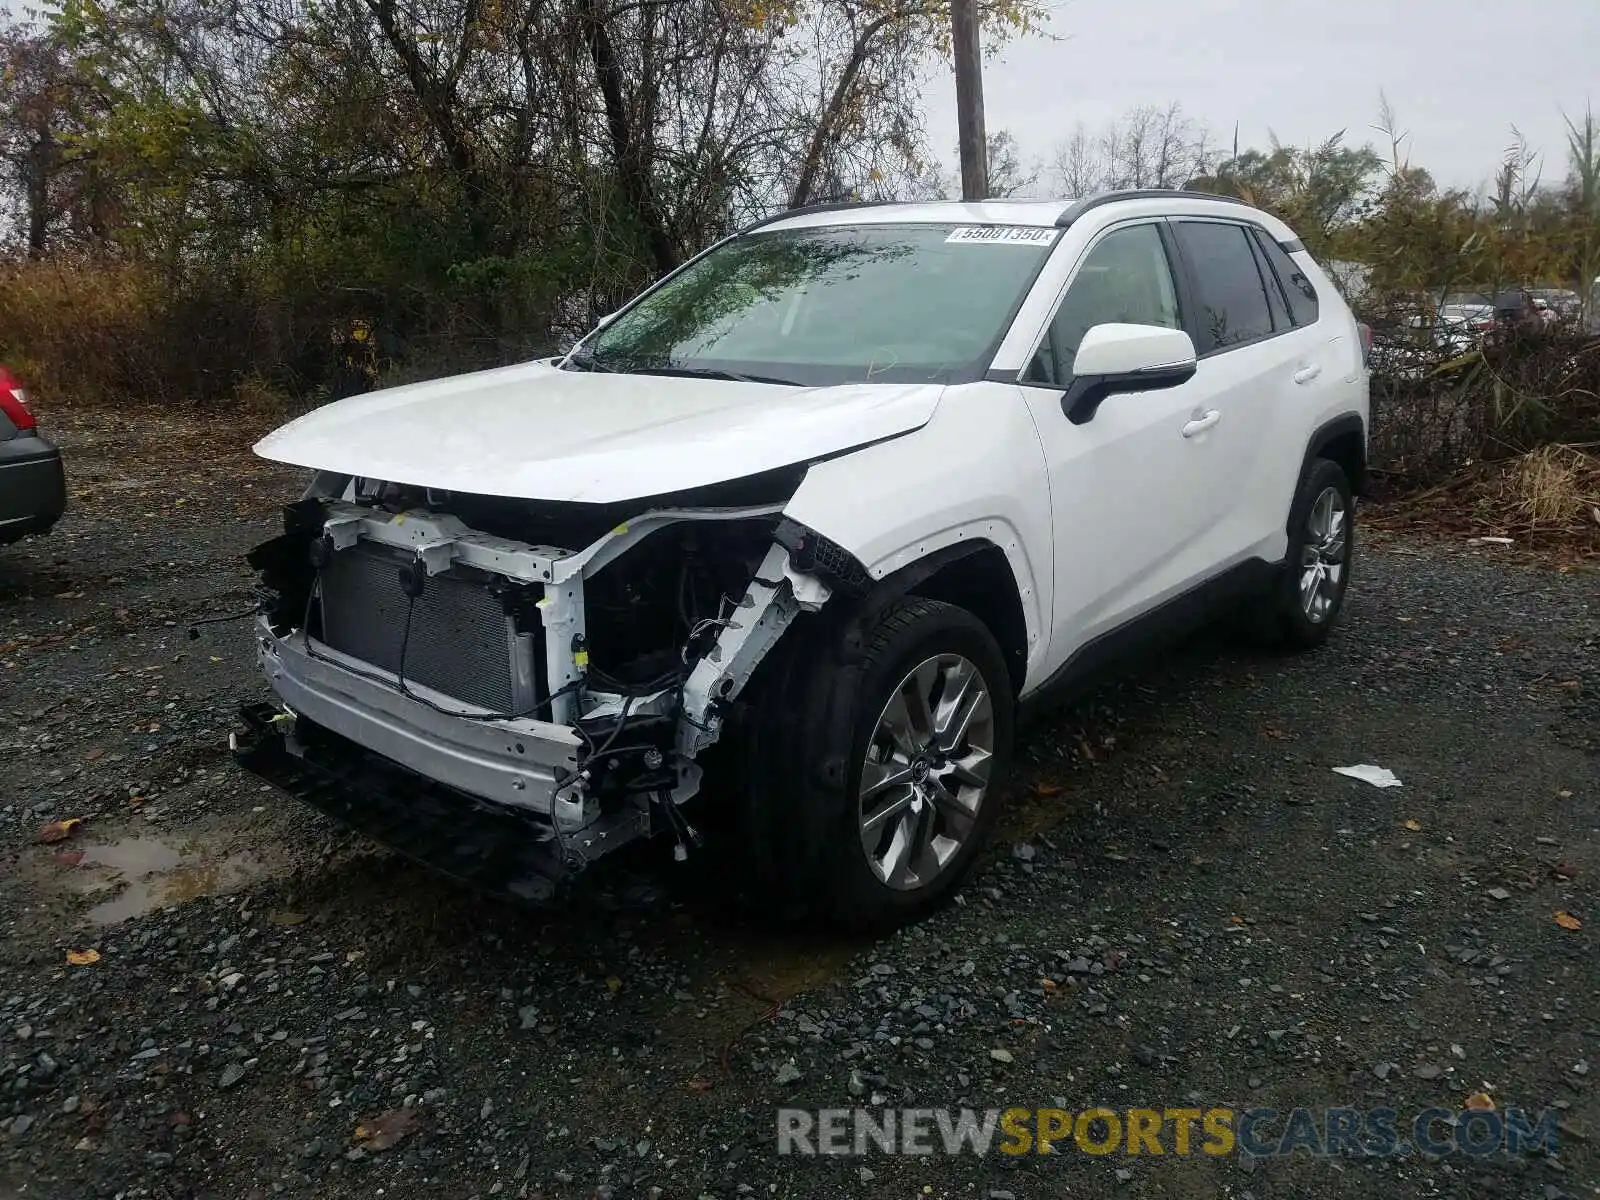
(1297,286)
(1232,297)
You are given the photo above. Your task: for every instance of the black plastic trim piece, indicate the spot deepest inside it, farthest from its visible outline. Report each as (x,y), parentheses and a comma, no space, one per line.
(1086,393)
(1101,199)
(1292,245)
(813,554)
(995,375)
(1326,433)
(1160,626)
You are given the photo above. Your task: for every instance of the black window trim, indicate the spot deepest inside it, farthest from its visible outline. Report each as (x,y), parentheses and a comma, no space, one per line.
(1289,250)
(1187,269)
(1270,283)
(1179,287)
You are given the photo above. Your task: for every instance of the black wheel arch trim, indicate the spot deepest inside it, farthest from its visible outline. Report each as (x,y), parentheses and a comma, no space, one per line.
(1326,434)
(816,554)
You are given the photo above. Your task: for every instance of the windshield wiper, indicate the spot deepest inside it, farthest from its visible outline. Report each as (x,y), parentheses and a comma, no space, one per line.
(710,373)
(588,362)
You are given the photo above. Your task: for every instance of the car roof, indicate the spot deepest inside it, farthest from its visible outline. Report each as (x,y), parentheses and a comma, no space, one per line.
(1042,213)
(1034,213)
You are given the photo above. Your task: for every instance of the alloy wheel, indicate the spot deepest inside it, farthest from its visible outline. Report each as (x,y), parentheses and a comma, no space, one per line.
(926,772)
(1323,557)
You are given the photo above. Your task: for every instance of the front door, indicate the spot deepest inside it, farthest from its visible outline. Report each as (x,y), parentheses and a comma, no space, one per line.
(1137,491)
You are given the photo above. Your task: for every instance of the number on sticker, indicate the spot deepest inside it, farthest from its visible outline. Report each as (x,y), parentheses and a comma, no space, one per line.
(1003,235)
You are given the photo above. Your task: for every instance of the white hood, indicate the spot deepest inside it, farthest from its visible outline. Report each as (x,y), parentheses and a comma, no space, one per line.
(538,433)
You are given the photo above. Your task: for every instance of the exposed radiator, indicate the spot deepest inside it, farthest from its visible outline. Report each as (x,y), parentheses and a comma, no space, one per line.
(462,642)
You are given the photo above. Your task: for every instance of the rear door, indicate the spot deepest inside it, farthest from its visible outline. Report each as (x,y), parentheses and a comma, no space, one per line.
(1327,379)
(1254,356)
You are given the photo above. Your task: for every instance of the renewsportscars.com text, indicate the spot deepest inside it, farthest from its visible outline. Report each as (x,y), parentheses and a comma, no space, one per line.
(1261,1132)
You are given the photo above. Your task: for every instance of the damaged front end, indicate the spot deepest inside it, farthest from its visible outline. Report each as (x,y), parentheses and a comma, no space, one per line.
(509,689)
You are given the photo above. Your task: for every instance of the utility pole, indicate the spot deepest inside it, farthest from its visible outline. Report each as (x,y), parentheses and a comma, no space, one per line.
(969,100)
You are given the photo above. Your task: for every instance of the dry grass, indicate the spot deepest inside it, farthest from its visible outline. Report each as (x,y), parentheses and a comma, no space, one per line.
(1553,488)
(1546,501)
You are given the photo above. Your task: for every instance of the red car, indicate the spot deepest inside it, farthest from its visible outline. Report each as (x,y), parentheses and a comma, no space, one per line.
(33,484)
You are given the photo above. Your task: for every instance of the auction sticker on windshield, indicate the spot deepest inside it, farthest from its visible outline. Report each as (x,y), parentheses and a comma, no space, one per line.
(1003,235)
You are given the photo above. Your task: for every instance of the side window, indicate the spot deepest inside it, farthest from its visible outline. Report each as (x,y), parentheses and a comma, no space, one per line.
(1300,290)
(1231,297)
(1126,277)
(1275,302)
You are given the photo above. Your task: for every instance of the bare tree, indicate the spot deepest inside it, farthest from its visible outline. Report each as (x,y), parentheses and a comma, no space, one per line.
(1147,147)
(1078,167)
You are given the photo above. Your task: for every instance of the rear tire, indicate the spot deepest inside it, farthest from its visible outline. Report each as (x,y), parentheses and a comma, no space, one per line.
(915,702)
(1308,596)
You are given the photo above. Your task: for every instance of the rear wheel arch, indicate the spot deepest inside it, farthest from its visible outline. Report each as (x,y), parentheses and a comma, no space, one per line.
(1342,440)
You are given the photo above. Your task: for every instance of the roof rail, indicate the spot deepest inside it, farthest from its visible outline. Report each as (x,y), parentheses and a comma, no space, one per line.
(807,209)
(1100,199)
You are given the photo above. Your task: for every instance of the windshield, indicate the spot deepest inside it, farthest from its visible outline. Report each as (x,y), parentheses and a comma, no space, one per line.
(842,304)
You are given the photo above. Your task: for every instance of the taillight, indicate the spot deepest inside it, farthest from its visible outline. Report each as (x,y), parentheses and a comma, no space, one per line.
(1366,343)
(14,401)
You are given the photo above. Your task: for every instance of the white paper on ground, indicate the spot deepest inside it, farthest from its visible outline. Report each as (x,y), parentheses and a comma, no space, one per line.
(1377,776)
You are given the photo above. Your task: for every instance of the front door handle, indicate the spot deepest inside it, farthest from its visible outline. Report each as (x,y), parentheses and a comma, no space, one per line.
(1202,423)
(1307,374)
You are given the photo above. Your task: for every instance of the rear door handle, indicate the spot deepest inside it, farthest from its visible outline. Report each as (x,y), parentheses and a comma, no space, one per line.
(1307,374)
(1201,423)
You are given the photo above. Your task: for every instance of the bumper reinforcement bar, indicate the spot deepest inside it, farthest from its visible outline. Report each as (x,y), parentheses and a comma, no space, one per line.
(485,846)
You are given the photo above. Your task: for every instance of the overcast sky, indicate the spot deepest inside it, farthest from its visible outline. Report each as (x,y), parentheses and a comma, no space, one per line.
(1459,73)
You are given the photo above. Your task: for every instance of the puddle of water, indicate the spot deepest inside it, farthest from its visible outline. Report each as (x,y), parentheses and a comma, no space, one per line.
(148,873)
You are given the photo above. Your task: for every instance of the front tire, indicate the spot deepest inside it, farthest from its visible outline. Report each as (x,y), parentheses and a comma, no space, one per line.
(876,763)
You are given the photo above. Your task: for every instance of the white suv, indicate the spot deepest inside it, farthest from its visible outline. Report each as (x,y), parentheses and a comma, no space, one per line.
(803,525)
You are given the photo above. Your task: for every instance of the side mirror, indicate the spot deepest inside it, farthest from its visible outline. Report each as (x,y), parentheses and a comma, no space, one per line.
(1115,358)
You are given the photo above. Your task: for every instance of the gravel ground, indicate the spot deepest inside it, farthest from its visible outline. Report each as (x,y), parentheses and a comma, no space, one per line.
(1186,907)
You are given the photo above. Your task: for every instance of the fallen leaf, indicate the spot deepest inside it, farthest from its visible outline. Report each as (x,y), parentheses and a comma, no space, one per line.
(1564,871)
(1567,921)
(613,984)
(69,858)
(58,831)
(1479,1102)
(83,958)
(387,1128)
(95,754)
(1414,826)
(699,1084)
(287,918)
(1046,789)
(1049,985)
